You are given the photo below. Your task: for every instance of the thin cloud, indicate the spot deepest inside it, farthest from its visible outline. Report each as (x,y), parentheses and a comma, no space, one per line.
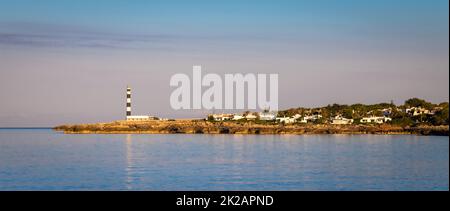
(28,34)
(42,35)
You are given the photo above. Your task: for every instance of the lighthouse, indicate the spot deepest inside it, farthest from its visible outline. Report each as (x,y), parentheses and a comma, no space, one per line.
(128,111)
(128,102)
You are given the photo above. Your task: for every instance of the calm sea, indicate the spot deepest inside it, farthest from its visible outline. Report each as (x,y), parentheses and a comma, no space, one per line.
(41,159)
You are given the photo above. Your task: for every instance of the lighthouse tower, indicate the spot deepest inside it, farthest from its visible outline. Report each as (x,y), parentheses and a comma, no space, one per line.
(134,118)
(128,102)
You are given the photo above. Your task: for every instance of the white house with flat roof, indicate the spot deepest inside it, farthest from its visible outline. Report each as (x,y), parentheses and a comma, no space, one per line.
(267,116)
(375,119)
(311,118)
(251,116)
(416,111)
(237,117)
(286,120)
(339,120)
(222,117)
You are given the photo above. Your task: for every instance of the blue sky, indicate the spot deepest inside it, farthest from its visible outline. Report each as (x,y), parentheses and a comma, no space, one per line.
(287,17)
(66,53)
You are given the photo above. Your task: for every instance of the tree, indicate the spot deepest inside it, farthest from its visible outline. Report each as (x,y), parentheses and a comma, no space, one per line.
(348,113)
(377,113)
(403,121)
(440,118)
(416,102)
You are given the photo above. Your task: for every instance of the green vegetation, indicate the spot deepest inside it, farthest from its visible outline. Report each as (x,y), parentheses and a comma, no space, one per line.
(432,114)
(416,102)
(414,112)
(415,116)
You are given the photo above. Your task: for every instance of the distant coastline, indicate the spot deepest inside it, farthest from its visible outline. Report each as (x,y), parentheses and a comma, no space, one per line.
(231,127)
(26,128)
(416,116)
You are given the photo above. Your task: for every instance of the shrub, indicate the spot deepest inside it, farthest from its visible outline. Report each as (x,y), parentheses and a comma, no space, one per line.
(224,130)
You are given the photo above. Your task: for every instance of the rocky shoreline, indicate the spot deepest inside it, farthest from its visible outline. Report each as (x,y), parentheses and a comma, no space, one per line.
(232,127)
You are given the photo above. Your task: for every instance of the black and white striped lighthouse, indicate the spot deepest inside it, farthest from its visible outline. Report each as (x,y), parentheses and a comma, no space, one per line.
(128,101)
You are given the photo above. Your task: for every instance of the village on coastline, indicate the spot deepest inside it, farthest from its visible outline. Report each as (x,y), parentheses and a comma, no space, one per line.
(405,113)
(414,111)
(415,116)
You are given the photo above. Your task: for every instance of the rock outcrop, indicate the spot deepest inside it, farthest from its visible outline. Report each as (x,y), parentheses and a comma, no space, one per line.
(233,127)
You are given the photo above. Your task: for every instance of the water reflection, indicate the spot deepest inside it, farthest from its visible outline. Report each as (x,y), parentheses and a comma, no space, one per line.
(51,161)
(129,157)
(224,162)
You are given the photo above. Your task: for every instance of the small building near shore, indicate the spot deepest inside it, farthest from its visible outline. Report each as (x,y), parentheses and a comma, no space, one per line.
(141,118)
(286,120)
(416,111)
(375,119)
(267,116)
(310,118)
(222,117)
(237,117)
(339,120)
(251,116)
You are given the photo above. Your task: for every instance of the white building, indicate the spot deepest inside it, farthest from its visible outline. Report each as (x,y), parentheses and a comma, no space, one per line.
(140,118)
(339,120)
(267,116)
(238,117)
(416,111)
(251,116)
(286,120)
(378,120)
(222,117)
(311,118)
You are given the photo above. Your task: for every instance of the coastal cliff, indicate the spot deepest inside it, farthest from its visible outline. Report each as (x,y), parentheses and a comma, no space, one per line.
(248,127)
